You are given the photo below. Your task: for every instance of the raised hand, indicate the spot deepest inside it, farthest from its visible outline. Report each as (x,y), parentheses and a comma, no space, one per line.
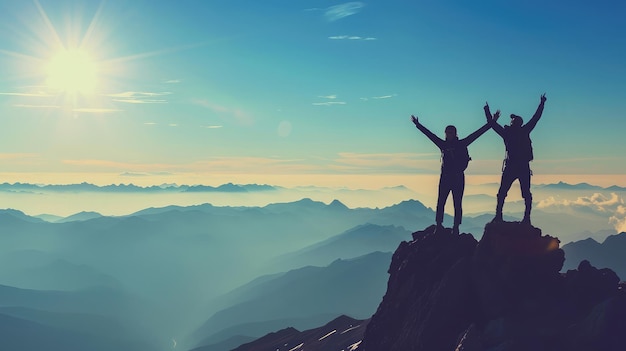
(543,98)
(415,120)
(487,112)
(496,115)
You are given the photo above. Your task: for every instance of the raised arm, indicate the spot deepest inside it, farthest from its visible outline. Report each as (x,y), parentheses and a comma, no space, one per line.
(493,120)
(435,139)
(533,121)
(480,131)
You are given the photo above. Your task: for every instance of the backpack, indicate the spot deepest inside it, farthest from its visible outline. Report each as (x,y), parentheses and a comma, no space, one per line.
(455,156)
(518,145)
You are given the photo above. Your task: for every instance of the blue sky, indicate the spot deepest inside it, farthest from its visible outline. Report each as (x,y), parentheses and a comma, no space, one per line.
(304,89)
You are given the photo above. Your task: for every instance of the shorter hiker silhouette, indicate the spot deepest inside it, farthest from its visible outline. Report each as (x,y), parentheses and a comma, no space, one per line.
(519,153)
(454,161)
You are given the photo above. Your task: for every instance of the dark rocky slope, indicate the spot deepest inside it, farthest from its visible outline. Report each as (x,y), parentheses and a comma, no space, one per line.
(504,293)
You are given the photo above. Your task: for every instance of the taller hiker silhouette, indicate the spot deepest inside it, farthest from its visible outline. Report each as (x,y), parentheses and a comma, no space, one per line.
(455,159)
(519,153)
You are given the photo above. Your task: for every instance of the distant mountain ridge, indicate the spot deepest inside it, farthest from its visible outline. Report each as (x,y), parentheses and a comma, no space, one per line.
(132,188)
(609,253)
(227,187)
(308,291)
(579,186)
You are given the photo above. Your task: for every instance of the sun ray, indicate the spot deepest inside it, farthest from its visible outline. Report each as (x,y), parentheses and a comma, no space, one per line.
(92,25)
(46,19)
(148,54)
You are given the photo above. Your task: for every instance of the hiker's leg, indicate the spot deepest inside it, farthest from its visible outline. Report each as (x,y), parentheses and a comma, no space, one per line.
(457,197)
(524,183)
(444,190)
(508,176)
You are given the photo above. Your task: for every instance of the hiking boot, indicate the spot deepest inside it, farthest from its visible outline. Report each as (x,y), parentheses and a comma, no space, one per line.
(455,230)
(439,229)
(526,221)
(497,218)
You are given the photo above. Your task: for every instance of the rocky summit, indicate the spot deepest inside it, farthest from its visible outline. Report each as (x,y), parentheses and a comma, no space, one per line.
(505,292)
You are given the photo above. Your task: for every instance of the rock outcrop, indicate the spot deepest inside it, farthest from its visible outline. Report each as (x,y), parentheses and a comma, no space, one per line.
(506,293)
(342,333)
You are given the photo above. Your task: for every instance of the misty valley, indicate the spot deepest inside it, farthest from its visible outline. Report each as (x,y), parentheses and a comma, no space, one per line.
(212,277)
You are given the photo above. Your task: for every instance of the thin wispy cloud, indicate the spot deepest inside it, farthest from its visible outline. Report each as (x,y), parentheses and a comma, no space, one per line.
(351,37)
(331,97)
(79,109)
(212,127)
(382,97)
(140,97)
(329,103)
(32,94)
(145,101)
(37,106)
(96,110)
(172,81)
(150,123)
(338,12)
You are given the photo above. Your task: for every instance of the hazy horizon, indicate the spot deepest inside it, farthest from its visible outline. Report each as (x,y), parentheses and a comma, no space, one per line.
(601,209)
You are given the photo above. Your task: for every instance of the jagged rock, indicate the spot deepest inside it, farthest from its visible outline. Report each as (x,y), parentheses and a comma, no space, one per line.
(342,333)
(505,293)
(427,302)
(515,267)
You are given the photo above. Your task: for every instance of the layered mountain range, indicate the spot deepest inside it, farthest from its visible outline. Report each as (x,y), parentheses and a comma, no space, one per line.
(504,292)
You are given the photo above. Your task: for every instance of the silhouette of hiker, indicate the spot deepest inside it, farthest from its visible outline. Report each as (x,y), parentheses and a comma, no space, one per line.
(455,158)
(519,152)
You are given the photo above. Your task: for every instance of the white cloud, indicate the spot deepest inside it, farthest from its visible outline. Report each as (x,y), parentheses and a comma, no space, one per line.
(212,127)
(619,219)
(382,97)
(140,97)
(332,97)
(337,12)
(36,106)
(139,101)
(597,202)
(34,94)
(351,37)
(173,81)
(96,110)
(611,206)
(329,103)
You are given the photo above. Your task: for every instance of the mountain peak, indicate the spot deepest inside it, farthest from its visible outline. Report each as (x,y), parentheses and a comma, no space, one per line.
(504,292)
(336,204)
(410,205)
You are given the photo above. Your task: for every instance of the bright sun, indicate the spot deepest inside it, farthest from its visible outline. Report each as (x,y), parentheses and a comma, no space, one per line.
(72,71)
